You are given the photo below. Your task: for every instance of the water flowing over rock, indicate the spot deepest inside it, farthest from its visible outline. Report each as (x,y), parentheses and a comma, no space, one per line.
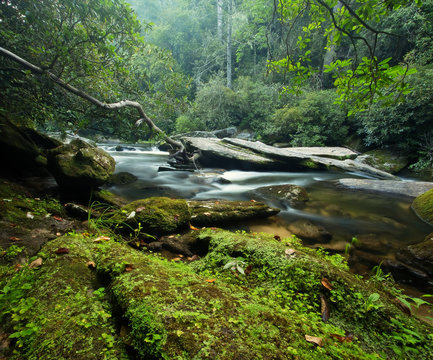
(407,188)
(79,165)
(242,154)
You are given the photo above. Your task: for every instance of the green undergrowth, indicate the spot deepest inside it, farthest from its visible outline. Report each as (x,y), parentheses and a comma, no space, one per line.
(250,297)
(58,310)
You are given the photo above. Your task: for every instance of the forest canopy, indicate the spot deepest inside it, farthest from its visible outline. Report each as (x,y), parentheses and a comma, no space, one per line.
(302,72)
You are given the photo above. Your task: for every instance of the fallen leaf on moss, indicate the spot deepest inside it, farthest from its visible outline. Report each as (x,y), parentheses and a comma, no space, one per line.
(57,218)
(192,227)
(207,213)
(324,308)
(290,252)
(314,340)
(277,237)
(91,265)
(176,259)
(60,251)
(29,215)
(325,282)
(35,263)
(340,338)
(140,209)
(248,269)
(193,258)
(101,238)
(18,267)
(210,280)
(129,267)
(14,238)
(12,225)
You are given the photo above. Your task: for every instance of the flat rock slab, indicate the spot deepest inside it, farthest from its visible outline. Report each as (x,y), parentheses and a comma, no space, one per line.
(336,152)
(304,160)
(408,188)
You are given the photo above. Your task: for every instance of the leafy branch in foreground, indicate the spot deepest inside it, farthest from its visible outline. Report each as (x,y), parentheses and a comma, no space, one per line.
(360,80)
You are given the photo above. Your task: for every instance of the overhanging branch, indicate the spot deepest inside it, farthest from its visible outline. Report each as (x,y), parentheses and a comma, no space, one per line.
(117,105)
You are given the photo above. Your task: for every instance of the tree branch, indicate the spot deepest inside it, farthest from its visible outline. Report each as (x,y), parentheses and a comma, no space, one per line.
(91,99)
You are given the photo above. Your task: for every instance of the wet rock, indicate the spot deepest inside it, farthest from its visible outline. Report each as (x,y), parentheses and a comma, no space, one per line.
(423,206)
(123,148)
(186,244)
(175,245)
(374,243)
(365,258)
(288,194)
(419,255)
(310,232)
(210,212)
(155,246)
(122,178)
(407,188)
(339,153)
(407,274)
(79,165)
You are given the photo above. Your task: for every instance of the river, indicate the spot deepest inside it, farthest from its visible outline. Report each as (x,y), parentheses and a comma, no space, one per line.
(386,220)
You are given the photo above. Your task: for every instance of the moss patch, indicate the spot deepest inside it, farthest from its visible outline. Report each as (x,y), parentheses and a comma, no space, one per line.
(423,206)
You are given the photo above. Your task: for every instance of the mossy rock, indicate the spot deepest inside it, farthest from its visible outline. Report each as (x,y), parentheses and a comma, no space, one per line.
(419,256)
(154,216)
(221,212)
(293,195)
(386,160)
(79,165)
(423,206)
(57,310)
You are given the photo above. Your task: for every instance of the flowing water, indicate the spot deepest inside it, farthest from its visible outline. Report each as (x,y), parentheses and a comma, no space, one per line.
(386,219)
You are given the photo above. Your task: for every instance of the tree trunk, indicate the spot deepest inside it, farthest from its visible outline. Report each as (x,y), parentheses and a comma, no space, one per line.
(220,20)
(123,103)
(229,42)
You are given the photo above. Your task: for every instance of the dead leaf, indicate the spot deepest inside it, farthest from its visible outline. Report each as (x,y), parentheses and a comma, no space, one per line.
(140,209)
(58,234)
(340,338)
(192,227)
(193,258)
(290,252)
(248,269)
(60,251)
(177,258)
(207,213)
(314,340)
(85,234)
(101,238)
(14,238)
(325,282)
(29,215)
(37,199)
(277,237)
(18,267)
(217,202)
(35,263)
(57,218)
(12,225)
(129,267)
(324,308)
(253,201)
(210,280)
(91,265)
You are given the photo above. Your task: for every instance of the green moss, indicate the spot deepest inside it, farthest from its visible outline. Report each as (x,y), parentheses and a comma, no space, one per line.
(310,164)
(154,216)
(58,311)
(386,160)
(423,206)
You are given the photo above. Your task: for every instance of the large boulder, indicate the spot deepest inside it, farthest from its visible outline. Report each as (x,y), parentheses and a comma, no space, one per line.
(79,165)
(154,216)
(385,160)
(23,149)
(423,206)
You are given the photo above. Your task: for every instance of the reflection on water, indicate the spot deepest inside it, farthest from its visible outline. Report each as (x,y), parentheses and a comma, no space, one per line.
(344,213)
